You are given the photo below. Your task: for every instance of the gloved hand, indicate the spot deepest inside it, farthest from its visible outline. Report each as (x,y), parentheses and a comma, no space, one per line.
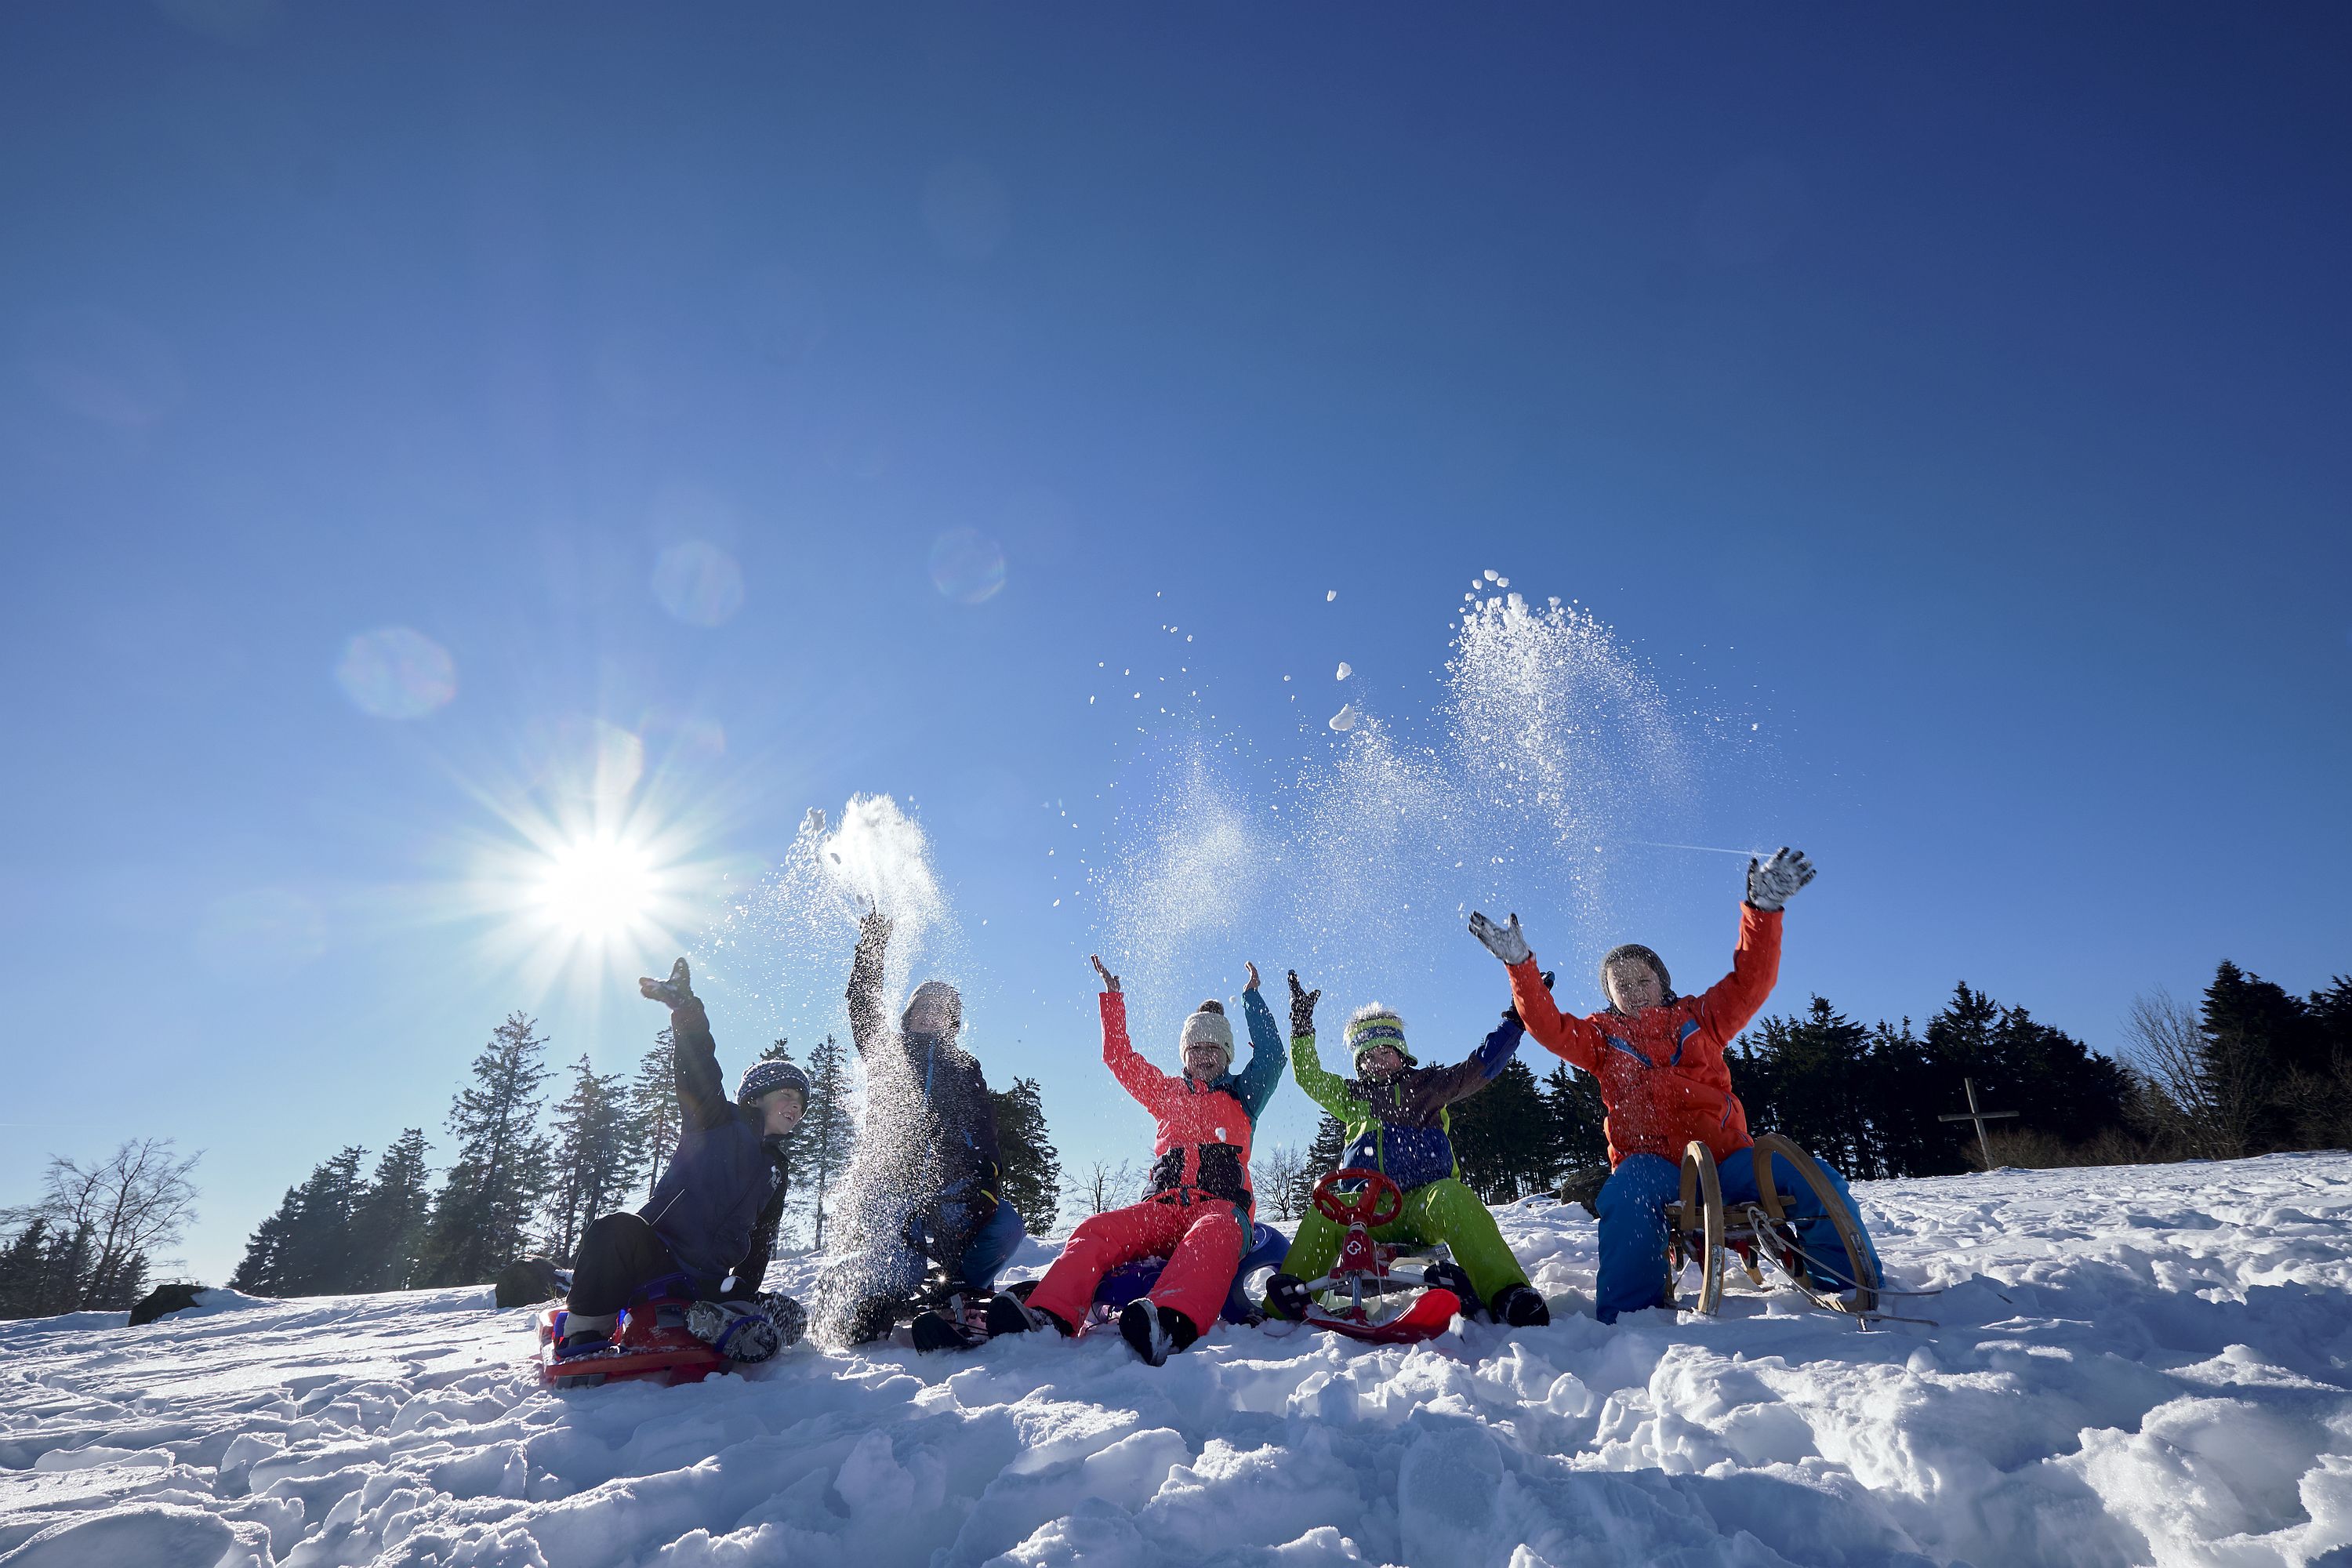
(675,991)
(1111,981)
(873,929)
(1771,884)
(1302,1006)
(1505,942)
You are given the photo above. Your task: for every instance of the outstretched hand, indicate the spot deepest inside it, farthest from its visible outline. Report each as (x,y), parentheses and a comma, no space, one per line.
(674,992)
(873,927)
(1506,943)
(1111,981)
(1302,1006)
(1253,976)
(1777,880)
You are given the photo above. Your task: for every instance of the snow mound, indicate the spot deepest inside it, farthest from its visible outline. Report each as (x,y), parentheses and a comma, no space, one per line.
(2130,1365)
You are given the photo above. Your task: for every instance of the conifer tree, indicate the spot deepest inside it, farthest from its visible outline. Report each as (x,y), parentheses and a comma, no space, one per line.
(481,1216)
(1330,1145)
(264,1265)
(828,1133)
(1501,1135)
(593,1152)
(388,1225)
(23,1270)
(1576,1137)
(1032,1179)
(653,1109)
(317,1256)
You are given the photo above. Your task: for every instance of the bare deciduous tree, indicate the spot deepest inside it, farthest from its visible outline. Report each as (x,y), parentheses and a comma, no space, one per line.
(1101,1186)
(2197,1093)
(137,1200)
(1281,1179)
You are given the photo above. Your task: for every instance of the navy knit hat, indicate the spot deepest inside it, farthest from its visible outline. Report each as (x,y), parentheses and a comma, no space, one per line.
(766,1078)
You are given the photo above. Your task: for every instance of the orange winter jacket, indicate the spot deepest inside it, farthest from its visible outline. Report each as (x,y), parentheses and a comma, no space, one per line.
(1662,1073)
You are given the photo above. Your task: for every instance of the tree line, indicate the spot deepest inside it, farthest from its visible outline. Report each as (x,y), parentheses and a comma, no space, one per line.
(89,1241)
(526,1179)
(2252,1070)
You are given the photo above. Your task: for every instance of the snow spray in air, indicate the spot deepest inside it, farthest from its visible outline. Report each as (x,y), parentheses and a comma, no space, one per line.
(803,927)
(1547,738)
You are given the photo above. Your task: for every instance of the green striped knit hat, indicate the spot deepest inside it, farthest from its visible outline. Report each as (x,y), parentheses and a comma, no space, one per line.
(1373,1025)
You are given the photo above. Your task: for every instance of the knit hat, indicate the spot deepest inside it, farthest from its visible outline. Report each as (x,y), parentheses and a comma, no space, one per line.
(1372,1025)
(1625,950)
(944,992)
(766,1078)
(1210,1027)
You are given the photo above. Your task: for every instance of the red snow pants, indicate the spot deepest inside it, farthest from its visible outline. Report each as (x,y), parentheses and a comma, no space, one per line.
(1203,1241)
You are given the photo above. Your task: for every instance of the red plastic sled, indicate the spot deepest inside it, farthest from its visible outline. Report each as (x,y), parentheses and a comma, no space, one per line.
(1363,1270)
(653,1342)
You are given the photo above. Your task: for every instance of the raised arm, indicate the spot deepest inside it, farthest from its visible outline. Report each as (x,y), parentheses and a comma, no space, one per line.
(693,1056)
(1256,1083)
(1138,1076)
(1480,1068)
(1564,1035)
(1739,996)
(869,1021)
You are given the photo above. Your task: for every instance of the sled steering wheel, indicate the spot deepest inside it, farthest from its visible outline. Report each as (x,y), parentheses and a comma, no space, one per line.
(1379,1203)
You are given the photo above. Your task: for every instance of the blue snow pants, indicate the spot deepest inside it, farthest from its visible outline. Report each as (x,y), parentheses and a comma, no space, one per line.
(1632,1206)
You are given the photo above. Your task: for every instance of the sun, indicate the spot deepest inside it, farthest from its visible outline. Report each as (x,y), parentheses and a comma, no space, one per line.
(597,888)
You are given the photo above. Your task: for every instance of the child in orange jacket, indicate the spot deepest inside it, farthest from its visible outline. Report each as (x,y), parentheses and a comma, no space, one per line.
(1659,1058)
(1198,1214)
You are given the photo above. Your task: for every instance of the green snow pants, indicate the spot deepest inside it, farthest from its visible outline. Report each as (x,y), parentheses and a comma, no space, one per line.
(1440,1211)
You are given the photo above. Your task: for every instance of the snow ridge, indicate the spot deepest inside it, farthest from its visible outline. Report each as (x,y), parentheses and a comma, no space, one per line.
(2147,1364)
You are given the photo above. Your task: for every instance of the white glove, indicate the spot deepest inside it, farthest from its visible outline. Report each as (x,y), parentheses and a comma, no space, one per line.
(1771,884)
(1505,942)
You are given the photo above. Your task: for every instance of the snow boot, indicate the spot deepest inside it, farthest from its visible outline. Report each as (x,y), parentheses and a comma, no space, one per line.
(1447,1275)
(790,1318)
(938,1331)
(1286,1297)
(1154,1330)
(587,1341)
(1009,1314)
(1520,1306)
(735,1330)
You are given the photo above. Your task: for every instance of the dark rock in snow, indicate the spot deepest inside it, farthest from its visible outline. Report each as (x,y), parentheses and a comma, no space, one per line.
(164,1299)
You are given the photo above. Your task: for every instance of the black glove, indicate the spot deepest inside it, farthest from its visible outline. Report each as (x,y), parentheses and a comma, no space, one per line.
(1772,884)
(1302,1007)
(675,991)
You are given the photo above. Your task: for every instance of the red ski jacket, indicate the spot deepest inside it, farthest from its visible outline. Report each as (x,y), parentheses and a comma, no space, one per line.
(1662,1073)
(1202,1146)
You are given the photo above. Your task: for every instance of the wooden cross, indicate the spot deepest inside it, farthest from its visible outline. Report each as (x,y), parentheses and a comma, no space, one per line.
(1978,1117)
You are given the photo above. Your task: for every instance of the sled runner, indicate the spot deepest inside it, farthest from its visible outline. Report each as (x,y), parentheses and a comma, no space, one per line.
(652,1341)
(1700,1230)
(1361,1297)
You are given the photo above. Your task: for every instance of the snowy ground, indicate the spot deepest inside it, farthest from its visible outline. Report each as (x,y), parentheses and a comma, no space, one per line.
(2133,1365)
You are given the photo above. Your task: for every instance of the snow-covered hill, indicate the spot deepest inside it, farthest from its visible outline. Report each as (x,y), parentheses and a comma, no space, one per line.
(2132,1365)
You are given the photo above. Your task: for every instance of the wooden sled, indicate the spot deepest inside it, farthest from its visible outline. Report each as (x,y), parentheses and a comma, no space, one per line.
(1699,1231)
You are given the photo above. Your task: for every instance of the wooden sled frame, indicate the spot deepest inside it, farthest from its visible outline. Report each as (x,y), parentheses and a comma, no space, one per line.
(1698,1229)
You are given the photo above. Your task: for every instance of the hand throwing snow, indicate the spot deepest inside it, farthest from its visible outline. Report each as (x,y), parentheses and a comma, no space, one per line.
(873,929)
(1302,1007)
(1771,885)
(1111,981)
(1505,942)
(675,991)
(1253,976)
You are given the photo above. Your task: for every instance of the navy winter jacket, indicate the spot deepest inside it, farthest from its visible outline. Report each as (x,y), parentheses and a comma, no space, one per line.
(716,1205)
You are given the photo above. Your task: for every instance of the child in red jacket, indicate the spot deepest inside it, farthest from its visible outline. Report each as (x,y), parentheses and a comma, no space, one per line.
(1198,1214)
(1659,1060)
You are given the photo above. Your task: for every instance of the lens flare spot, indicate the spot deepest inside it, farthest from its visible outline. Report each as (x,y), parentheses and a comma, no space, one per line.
(396,673)
(700,584)
(967,565)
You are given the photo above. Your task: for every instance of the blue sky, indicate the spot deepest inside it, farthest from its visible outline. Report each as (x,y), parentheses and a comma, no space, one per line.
(1956,398)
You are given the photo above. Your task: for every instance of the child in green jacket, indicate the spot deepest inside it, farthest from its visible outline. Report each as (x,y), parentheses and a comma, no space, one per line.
(1394,1111)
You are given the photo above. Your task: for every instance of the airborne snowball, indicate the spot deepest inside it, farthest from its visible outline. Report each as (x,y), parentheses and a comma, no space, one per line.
(1346,670)
(1345,719)
(1329,594)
